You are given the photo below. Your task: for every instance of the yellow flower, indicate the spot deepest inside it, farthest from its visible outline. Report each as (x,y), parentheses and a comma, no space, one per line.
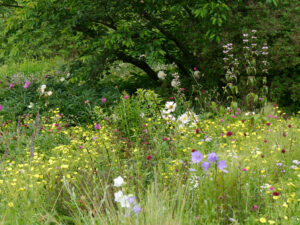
(276,197)
(10,204)
(263,220)
(271,221)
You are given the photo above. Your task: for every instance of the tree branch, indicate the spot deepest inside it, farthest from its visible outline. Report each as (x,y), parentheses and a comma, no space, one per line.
(138,63)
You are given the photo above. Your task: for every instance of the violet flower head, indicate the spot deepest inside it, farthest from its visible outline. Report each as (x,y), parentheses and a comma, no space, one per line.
(97,126)
(212,157)
(27,84)
(197,157)
(136,209)
(222,165)
(205,165)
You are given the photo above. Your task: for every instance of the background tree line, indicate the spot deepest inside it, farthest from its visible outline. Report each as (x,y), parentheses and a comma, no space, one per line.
(145,33)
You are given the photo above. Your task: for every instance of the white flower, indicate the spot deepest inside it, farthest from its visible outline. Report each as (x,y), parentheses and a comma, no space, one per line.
(175,83)
(62,79)
(171,106)
(49,93)
(296,162)
(43,87)
(122,199)
(184,118)
(142,115)
(118,181)
(30,105)
(118,196)
(161,75)
(197,74)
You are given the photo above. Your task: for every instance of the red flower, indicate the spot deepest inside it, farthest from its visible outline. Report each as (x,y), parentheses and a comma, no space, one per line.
(275,193)
(283,151)
(268,124)
(193,150)
(197,130)
(229,133)
(149,157)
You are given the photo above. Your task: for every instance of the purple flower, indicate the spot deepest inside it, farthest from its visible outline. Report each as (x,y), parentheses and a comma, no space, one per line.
(205,165)
(131,200)
(97,126)
(212,157)
(136,209)
(1,107)
(221,165)
(126,97)
(27,84)
(197,157)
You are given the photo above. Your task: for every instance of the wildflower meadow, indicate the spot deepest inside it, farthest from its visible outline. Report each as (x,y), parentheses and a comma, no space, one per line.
(149,112)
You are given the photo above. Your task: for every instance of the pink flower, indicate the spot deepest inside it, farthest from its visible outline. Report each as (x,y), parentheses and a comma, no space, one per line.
(27,84)
(233,116)
(268,124)
(270,116)
(238,109)
(11,86)
(1,107)
(255,207)
(182,89)
(149,157)
(259,99)
(195,68)
(172,98)
(221,120)
(97,126)
(271,188)
(275,117)
(103,100)
(80,147)
(236,113)
(244,169)
(222,135)
(165,139)
(126,97)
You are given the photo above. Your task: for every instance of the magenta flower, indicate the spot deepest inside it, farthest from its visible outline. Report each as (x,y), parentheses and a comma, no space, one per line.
(222,165)
(255,207)
(149,157)
(197,131)
(229,133)
(268,124)
(271,188)
(103,100)
(244,169)
(97,126)
(212,157)
(126,97)
(195,68)
(197,157)
(221,120)
(205,165)
(11,86)
(27,84)
(1,107)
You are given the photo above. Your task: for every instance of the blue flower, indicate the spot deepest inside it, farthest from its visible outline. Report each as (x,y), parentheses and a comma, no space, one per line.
(205,165)
(212,157)
(221,165)
(197,157)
